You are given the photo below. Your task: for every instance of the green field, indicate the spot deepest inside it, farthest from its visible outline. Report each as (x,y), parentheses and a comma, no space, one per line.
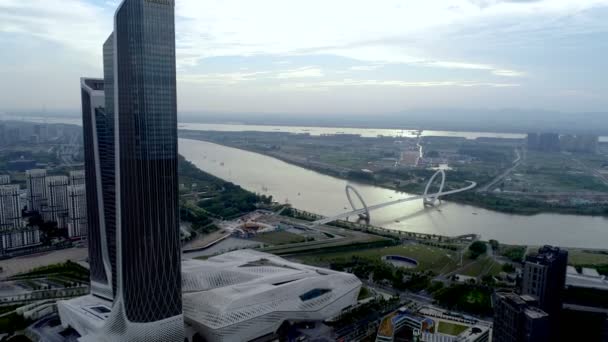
(279,238)
(429,258)
(582,257)
(482,266)
(452,329)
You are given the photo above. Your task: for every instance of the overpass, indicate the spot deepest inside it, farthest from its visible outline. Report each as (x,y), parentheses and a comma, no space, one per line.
(364,213)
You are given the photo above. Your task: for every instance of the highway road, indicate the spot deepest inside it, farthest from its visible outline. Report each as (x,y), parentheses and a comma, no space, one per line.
(521,156)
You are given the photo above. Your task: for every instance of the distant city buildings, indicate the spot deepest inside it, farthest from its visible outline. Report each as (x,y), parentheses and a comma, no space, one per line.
(553,142)
(517,319)
(583,143)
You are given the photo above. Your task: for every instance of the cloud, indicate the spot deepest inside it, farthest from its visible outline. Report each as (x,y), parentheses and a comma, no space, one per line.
(366,67)
(304,72)
(490,43)
(222,78)
(508,73)
(396,83)
(75,24)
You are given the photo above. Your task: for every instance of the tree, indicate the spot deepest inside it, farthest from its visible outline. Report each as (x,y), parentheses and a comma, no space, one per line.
(495,245)
(477,248)
(508,268)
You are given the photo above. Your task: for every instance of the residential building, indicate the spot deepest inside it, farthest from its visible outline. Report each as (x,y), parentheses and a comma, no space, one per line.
(41,132)
(36,189)
(18,239)
(10,208)
(13,232)
(517,319)
(77,211)
(2,134)
(5,179)
(548,142)
(428,324)
(583,143)
(544,276)
(77,177)
(56,208)
(532,141)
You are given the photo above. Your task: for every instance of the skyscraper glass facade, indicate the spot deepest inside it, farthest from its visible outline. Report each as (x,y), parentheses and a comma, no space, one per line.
(90,133)
(147,187)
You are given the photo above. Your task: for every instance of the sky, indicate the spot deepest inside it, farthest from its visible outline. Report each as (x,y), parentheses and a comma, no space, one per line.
(327,56)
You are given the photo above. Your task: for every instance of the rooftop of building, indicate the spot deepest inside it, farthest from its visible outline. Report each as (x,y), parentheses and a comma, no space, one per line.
(511,297)
(96,84)
(234,289)
(547,254)
(241,285)
(535,313)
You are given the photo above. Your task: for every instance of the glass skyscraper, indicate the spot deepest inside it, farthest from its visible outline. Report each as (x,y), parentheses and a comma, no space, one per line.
(147,215)
(130,136)
(95,132)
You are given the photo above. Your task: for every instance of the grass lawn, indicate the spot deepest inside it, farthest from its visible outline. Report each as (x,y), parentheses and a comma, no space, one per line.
(481,266)
(279,238)
(581,257)
(67,269)
(364,293)
(452,329)
(429,258)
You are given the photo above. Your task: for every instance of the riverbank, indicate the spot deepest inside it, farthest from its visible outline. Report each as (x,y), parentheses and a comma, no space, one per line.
(485,200)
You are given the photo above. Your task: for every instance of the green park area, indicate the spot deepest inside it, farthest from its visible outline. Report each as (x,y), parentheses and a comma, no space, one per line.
(279,238)
(588,258)
(429,258)
(67,270)
(481,266)
(469,298)
(451,329)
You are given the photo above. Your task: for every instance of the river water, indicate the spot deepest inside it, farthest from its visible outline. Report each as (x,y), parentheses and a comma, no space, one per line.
(315,192)
(364,132)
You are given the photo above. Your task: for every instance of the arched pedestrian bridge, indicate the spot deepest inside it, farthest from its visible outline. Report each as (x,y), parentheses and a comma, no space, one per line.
(364,213)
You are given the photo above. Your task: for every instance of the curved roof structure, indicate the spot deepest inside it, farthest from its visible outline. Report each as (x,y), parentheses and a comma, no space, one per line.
(246,294)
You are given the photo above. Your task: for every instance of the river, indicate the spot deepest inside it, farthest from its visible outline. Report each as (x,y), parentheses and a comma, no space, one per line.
(364,132)
(315,192)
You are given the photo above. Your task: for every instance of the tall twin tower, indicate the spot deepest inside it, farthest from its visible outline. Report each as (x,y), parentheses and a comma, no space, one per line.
(130,138)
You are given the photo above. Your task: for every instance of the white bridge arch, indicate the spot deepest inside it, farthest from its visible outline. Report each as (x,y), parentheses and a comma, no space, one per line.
(364,213)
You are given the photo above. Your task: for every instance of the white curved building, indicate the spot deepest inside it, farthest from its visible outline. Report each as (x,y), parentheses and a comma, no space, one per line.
(234,297)
(244,295)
